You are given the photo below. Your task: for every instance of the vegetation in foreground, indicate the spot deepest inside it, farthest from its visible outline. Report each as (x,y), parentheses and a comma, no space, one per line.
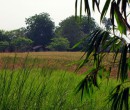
(32,87)
(46,89)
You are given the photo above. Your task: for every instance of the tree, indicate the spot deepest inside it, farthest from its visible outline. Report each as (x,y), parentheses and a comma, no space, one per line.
(18,32)
(3,36)
(22,44)
(74,30)
(119,40)
(10,37)
(40,29)
(59,44)
(107,23)
(88,24)
(70,29)
(3,46)
(5,39)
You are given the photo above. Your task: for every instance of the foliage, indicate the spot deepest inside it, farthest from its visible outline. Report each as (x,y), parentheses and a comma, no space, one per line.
(4,36)
(74,30)
(119,97)
(17,32)
(70,29)
(59,44)
(22,43)
(88,24)
(40,29)
(3,45)
(107,23)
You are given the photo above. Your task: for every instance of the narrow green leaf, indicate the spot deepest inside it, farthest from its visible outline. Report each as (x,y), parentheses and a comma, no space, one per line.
(105,8)
(115,56)
(112,14)
(95,2)
(126,98)
(80,8)
(76,3)
(87,8)
(120,20)
(123,7)
(124,66)
(109,43)
(118,2)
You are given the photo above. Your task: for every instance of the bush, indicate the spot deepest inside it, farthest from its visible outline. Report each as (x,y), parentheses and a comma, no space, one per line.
(22,43)
(3,45)
(59,44)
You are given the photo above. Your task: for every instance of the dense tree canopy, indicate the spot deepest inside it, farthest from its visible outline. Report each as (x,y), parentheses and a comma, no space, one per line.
(88,24)
(74,29)
(3,46)
(70,29)
(18,32)
(3,36)
(14,40)
(40,29)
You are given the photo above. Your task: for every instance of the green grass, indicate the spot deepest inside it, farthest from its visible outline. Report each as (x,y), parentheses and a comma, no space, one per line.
(47,90)
(32,87)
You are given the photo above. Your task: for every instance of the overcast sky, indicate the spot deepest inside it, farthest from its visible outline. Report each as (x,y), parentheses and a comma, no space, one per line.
(14,12)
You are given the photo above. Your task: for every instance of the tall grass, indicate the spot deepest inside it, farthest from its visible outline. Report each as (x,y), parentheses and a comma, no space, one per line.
(33,88)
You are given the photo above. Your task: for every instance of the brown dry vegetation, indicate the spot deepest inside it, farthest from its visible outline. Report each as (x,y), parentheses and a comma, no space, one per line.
(54,60)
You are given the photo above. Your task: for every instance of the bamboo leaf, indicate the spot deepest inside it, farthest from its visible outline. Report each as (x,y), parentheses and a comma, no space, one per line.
(126,98)
(76,3)
(119,97)
(87,8)
(105,8)
(120,20)
(118,2)
(123,7)
(124,65)
(80,8)
(112,15)
(95,2)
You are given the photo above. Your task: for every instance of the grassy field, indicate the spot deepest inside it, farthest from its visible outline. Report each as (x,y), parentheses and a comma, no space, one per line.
(48,59)
(34,81)
(56,60)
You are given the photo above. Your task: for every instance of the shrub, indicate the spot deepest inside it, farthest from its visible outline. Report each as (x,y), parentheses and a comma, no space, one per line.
(59,44)
(3,45)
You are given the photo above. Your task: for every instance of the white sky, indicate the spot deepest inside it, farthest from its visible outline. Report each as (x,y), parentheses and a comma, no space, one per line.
(14,12)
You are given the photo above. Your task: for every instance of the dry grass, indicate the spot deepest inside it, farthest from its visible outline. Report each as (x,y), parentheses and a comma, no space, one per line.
(55,60)
(47,55)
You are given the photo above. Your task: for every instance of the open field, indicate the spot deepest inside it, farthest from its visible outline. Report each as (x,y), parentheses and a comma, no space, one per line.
(46,81)
(50,59)
(55,60)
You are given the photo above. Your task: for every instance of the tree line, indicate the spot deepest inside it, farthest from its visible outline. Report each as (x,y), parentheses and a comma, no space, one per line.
(41,34)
